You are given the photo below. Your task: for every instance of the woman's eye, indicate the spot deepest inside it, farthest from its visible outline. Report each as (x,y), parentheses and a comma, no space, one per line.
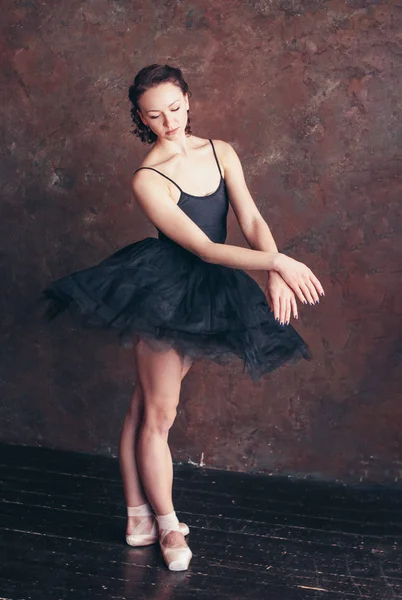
(173,110)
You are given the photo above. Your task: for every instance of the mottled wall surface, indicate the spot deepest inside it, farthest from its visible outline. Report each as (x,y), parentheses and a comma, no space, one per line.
(309,94)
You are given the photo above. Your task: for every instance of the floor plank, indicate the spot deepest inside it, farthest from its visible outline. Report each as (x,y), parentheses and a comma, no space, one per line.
(62,521)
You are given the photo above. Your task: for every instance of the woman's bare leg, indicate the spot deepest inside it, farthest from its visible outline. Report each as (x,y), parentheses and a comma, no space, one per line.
(133,489)
(160,375)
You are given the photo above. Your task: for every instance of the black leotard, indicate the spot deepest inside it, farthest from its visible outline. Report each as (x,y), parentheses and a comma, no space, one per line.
(208,212)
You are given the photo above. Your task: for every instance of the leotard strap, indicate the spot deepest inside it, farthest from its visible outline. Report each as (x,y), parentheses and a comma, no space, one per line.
(160,173)
(216,158)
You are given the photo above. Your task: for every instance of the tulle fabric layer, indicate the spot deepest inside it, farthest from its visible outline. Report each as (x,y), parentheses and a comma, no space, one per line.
(157,291)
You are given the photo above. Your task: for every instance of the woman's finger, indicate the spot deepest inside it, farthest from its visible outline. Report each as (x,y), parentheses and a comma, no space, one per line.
(294,307)
(299,293)
(276,307)
(282,301)
(313,292)
(279,309)
(306,292)
(317,284)
(296,289)
(287,314)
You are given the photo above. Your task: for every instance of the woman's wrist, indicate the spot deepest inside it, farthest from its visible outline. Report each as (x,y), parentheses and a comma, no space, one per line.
(272,273)
(276,261)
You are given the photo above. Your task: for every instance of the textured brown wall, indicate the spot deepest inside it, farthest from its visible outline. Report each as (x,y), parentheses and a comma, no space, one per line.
(308,92)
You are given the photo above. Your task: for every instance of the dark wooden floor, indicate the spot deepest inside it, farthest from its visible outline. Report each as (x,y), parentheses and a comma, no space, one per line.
(62,525)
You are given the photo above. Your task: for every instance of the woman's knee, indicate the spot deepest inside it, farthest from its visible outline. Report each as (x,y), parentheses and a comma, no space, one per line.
(159,419)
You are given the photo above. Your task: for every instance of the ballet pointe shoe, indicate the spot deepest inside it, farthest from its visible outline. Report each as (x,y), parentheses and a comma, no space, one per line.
(176,559)
(143,535)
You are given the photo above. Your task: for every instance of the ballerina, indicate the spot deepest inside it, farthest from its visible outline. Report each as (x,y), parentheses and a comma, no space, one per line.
(184,295)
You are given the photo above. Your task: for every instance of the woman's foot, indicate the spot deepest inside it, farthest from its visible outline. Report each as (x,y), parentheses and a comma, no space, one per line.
(176,553)
(142,529)
(141,526)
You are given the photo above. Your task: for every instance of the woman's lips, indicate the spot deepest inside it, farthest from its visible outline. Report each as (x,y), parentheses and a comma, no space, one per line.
(172,131)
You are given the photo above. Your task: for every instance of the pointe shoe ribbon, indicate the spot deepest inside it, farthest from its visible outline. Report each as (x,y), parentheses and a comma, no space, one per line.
(176,559)
(142,536)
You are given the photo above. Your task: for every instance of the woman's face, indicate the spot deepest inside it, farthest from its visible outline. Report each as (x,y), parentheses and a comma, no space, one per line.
(163,108)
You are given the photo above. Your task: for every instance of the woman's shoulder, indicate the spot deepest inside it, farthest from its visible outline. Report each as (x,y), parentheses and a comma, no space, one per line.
(150,160)
(226,154)
(144,175)
(145,172)
(225,150)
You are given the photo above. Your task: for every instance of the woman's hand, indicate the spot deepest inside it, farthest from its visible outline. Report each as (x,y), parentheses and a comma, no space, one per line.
(281,298)
(299,278)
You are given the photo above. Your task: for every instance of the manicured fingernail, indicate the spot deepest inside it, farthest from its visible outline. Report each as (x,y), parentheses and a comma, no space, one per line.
(317,301)
(296,316)
(304,301)
(322,294)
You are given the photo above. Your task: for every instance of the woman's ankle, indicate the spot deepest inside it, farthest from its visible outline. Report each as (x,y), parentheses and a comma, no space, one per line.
(168,522)
(140,510)
(146,524)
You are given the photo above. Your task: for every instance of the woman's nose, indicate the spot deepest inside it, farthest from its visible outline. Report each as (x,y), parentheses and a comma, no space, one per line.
(169,122)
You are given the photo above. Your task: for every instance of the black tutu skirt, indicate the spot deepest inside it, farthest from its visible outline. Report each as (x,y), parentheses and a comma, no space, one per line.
(158,291)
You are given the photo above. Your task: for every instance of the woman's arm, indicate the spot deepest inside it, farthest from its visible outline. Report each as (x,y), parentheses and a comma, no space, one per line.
(258,234)
(152,194)
(251,222)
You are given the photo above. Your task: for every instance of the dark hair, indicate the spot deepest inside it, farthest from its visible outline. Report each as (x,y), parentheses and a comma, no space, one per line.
(147,78)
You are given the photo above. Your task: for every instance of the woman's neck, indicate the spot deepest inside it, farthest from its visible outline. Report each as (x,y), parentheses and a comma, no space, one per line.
(181,146)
